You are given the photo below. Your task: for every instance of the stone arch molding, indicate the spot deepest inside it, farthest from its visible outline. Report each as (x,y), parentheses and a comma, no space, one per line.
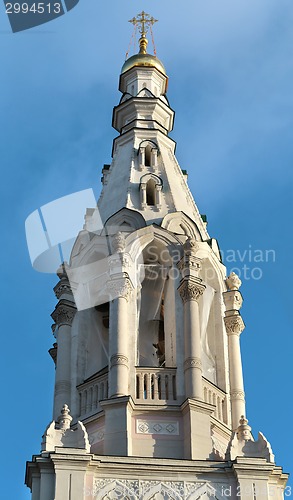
(148,142)
(180,223)
(157,180)
(124,219)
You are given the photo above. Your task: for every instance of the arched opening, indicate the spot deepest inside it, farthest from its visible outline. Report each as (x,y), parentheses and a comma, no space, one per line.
(156,332)
(151,192)
(148,154)
(160,345)
(104,309)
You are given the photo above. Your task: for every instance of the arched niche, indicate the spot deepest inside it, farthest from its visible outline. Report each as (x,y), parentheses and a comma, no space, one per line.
(148,152)
(150,189)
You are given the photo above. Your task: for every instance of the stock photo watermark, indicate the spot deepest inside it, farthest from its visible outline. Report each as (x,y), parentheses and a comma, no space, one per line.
(29,14)
(249,263)
(52,233)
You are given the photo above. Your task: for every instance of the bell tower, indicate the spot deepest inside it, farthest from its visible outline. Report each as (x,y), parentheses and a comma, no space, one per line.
(149,397)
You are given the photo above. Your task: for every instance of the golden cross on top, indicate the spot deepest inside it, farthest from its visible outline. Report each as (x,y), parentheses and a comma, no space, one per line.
(144,21)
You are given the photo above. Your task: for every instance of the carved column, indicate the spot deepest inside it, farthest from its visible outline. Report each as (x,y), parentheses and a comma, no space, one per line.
(234,327)
(154,158)
(143,197)
(118,337)
(63,316)
(190,289)
(141,157)
(158,196)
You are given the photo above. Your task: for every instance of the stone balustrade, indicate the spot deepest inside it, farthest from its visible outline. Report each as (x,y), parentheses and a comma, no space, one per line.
(155,384)
(91,393)
(215,396)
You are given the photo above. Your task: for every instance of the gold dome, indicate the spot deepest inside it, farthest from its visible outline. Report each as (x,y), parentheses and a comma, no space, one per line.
(143,60)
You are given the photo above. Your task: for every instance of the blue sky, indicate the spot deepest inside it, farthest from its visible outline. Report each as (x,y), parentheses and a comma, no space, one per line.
(230,65)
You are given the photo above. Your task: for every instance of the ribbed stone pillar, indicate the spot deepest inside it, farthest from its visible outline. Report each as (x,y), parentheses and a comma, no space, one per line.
(190,289)
(234,327)
(63,316)
(118,337)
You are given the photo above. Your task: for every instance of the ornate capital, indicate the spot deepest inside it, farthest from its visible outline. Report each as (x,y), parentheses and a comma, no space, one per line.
(119,359)
(192,363)
(120,287)
(234,324)
(63,314)
(191,289)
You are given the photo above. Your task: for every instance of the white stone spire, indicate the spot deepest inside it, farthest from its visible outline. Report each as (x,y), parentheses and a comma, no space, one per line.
(147,329)
(144,175)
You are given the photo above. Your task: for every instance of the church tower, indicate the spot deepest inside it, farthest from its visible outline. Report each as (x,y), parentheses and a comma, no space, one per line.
(149,397)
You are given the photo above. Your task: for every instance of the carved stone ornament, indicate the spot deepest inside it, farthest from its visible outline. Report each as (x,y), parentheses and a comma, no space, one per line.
(192,363)
(237,394)
(191,290)
(234,325)
(244,430)
(233,300)
(191,246)
(242,444)
(141,489)
(233,282)
(189,262)
(64,420)
(58,434)
(61,288)
(119,359)
(118,242)
(120,288)
(166,428)
(63,314)
(119,260)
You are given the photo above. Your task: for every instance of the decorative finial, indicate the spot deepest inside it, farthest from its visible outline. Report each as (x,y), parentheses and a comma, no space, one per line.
(233,282)
(244,430)
(144,22)
(64,419)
